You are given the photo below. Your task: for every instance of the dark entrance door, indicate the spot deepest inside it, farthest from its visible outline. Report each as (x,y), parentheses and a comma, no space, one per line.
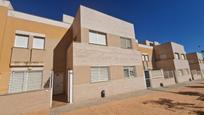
(147,78)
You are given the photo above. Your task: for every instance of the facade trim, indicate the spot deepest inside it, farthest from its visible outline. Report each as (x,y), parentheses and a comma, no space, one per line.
(29,17)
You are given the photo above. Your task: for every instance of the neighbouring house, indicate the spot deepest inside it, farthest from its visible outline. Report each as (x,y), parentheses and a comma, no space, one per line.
(27,45)
(147,54)
(155,77)
(196,63)
(172,57)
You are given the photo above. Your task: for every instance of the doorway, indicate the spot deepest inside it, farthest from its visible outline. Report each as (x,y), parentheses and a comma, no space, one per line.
(147,79)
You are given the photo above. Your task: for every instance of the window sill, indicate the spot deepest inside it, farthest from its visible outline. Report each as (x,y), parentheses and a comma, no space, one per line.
(98,44)
(20,47)
(37,49)
(99,82)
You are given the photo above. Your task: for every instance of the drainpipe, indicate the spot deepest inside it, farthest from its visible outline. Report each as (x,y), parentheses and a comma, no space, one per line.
(51,87)
(70,86)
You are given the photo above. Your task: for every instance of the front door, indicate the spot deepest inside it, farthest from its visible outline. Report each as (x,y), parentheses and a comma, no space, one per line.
(147,78)
(58,83)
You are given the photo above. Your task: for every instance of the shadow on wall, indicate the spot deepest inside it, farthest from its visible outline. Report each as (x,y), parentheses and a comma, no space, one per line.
(59,64)
(60,50)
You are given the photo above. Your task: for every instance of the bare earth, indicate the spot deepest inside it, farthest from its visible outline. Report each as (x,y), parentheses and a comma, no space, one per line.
(184,100)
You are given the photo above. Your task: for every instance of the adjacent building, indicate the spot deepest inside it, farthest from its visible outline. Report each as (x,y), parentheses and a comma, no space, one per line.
(147,55)
(172,57)
(27,43)
(196,63)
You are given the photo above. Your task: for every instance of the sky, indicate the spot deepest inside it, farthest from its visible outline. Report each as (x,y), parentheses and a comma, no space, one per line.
(180,21)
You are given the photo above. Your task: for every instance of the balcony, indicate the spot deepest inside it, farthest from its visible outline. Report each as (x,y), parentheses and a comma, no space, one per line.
(20,56)
(37,56)
(27,57)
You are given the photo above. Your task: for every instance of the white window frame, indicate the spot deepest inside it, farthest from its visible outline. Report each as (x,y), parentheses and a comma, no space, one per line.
(131,71)
(97,38)
(34,46)
(99,77)
(21,36)
(25,79)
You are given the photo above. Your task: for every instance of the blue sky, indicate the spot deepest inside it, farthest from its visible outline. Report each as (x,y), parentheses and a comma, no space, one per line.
(181,21)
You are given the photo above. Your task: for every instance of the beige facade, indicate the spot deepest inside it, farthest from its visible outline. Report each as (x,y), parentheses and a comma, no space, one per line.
(11,57)
(172,56)
(86,56)
(196,63)
(90,56)
(147,53)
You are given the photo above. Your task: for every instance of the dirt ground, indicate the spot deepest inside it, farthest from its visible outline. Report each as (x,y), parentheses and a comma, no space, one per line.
(186,100)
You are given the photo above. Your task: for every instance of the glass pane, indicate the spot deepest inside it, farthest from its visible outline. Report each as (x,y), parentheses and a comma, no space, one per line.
(21,41)
(176,56)
(94,74)
(147,58)
(126,72)
(143,58)
(123,43)
(128,43)
(101,39)
(34,80)
(38,43)
(92,37)
(99,74)
(97,38)
(16,82)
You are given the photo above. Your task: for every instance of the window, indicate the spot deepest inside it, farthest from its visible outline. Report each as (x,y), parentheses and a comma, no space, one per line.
(183,57)
(177,56)
(21,41)
(97,38)
(38,42)
(129,71)
(147,58)
(180,73)
(126,43)
(99,74)
(25,81)
(143,57)
(163,56)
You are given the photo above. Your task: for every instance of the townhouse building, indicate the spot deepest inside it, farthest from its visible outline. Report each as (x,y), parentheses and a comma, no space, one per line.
(147,55)
(102,56)
(89,56)
(172,56)
(97,49)
(27,43)
(196,63)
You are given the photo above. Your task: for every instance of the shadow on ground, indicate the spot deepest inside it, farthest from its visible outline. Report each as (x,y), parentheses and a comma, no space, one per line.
(173,105)
(191,93)
(195,86)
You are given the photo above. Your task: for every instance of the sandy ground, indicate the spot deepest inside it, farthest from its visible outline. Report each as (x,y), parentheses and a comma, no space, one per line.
(187,100)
